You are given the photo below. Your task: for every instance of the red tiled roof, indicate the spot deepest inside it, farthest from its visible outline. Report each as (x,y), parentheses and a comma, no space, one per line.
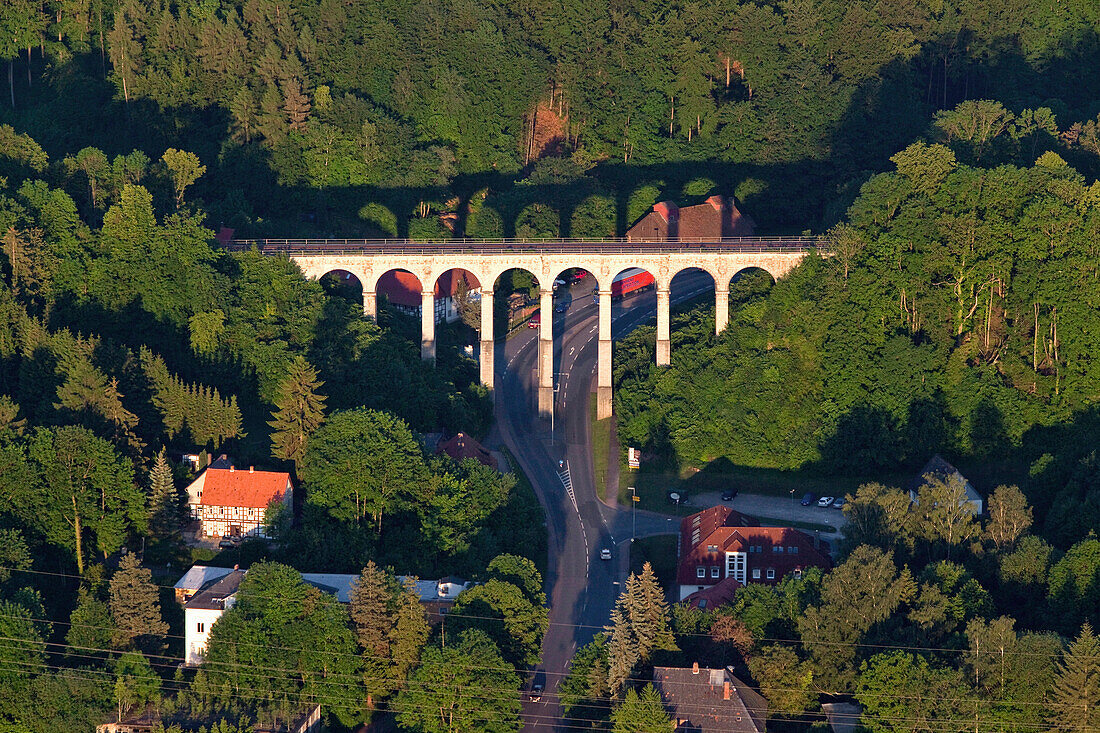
(717,217)
(237,488)
(710,700)
(463,446)
(403,288)
(728,531)
(716,595)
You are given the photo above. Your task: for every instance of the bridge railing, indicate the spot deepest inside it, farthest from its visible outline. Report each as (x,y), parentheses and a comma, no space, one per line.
(610,245)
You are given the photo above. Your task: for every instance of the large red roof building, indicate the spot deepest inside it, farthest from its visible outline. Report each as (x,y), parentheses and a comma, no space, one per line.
(718,544)
(713,219)
(232,502)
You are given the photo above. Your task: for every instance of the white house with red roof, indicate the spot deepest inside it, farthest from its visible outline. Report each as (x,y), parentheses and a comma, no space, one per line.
(232,502)
(719,544)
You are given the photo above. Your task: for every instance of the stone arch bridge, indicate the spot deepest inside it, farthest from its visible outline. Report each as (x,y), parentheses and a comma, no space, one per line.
(368,260)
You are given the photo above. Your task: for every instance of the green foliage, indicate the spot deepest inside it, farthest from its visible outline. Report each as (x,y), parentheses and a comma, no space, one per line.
(280,623)
(1074,584)
(507,614)
(136,684)
(135,606)
(642,712)
(75,488)
(362,463)
(584,692)
(164,500)
(300,410)
(930,697)
(461,688)
(1075,698)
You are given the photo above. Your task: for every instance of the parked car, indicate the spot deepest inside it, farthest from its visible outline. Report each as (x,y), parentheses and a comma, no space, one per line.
(605,554)
(729,494)
(839,502)
(558,283)
(807,499)
(824,501)
(228,542)
(562,307)
(675,498)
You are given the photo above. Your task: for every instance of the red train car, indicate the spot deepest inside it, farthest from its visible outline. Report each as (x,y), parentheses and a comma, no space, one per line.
(631,281)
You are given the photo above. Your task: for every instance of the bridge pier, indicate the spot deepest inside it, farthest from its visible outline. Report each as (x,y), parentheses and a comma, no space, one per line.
(664,346)
(487,341)
(603,358)
(427,326)
(370,304)
(546,352)
(721,308)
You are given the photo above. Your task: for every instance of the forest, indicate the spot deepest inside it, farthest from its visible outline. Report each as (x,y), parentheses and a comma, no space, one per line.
(948,149)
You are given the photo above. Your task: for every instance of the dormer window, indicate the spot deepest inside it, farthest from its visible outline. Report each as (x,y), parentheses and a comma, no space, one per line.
(700,572)
(714,571)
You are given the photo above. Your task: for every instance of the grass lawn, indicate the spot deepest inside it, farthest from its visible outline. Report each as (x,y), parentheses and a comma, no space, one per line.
(525,495)
(600,434)
(660,552)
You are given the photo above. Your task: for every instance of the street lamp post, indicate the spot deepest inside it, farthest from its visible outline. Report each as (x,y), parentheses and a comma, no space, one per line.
(633,512)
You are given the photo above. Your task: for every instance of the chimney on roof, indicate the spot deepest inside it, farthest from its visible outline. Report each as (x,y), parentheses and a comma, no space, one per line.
(252,469)
(230,468)
(695,668)
(726,690)
(236,567)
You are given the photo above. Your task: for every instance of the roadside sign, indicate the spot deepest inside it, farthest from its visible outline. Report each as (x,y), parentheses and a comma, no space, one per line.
(633,458)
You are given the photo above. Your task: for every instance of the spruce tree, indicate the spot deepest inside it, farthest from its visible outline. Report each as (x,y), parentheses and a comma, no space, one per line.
(649,615)
(163,504)
(371,609)
(300,410)
(622,649)
(409,633)
(642,712)
(135,606)
(1075,699)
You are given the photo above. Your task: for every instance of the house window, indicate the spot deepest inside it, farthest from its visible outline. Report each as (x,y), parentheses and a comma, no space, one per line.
(759,548)
(700,572)
(777,548)
(771,573)
(756,573)
(797,574)
(793,550)
(712,548)
(201,627)
(695,537)
(714,571)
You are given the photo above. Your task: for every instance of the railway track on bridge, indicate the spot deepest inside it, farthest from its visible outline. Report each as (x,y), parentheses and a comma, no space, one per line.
(412,247)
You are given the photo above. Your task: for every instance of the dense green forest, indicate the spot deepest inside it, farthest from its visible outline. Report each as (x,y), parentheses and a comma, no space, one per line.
(315,116)
(956,313)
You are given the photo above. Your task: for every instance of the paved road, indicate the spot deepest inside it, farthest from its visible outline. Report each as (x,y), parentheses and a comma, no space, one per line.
(583,588)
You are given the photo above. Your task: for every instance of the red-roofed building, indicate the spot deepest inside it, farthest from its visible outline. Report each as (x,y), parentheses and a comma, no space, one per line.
(462,446)
(719,543)
(713,219)
(403,291)
(231,502)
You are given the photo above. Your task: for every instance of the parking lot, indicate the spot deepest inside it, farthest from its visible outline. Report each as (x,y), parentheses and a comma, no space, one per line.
(771,508)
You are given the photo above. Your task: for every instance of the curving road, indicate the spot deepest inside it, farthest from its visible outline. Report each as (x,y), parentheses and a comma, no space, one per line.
(583,587)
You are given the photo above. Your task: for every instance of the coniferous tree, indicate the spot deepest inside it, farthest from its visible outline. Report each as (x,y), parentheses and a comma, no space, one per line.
(1075,699)
(371,609)
(163,500)
(409,633)
(649,616)
(135,606)
(622,650)
(299,411)
(642,712)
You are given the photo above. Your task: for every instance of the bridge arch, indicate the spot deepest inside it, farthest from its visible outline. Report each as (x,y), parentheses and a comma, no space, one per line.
(692,283)
(343,283)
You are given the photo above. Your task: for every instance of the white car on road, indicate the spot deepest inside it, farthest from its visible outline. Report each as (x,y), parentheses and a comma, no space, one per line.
(605,554)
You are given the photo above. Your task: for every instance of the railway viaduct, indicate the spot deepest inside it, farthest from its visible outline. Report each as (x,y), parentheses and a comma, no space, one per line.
(368,260)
